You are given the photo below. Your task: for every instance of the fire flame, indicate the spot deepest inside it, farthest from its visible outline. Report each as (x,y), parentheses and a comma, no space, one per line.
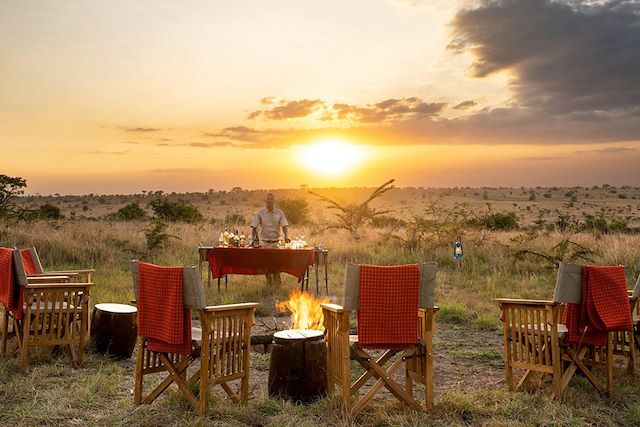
(306,312)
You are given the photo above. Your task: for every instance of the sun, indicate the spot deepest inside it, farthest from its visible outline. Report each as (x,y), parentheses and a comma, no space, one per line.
(330,156)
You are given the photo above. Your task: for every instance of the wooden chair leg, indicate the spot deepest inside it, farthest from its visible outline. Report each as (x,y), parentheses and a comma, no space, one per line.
(5,331)
(24,346)
(137,397)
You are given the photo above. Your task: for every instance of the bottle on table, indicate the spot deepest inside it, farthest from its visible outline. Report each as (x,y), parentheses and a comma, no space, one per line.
(221,239)
(243,240)
(225,238)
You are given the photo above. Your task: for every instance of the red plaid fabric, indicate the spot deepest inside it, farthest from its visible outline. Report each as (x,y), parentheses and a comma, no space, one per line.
(28,262)
(11,295)
(604,307)
(162,318)
(249,261)
(388,314)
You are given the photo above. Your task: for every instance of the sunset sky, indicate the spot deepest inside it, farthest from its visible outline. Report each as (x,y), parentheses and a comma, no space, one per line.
(123,96)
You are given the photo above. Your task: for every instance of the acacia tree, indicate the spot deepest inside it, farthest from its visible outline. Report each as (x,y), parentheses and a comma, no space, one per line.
(353,216)
(10,187)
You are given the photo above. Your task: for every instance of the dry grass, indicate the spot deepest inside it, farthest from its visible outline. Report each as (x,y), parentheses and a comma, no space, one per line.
(100,392)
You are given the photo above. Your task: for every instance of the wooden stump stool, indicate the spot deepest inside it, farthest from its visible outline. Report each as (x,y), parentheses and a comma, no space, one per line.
(114,329)
(298,365)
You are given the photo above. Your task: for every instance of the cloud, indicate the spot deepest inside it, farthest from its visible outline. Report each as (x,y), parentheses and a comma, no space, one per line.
(563,57)
(464,105)
(211,144)
(390,110)
(130,142)
(141,129)
(537,158)
(288,109)
(115,153)
(608,150)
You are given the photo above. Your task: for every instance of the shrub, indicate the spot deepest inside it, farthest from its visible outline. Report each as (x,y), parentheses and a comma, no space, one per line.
(385,221)
(499,221)
(131,212)
(296,210)
(167,210)
(49,211)
(235,218)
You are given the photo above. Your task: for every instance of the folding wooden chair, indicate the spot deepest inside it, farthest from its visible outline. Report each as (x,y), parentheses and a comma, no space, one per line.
(45,312)
(165,297)
(33,268)
(536,339)
(396,313)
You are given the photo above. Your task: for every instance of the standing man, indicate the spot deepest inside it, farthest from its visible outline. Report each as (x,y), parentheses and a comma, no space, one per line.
(270,219)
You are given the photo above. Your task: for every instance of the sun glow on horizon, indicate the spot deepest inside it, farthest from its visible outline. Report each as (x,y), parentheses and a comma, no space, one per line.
(331,156)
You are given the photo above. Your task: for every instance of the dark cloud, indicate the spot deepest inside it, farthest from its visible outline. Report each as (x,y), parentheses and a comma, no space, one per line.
(289,109)
(267,100)
(564,57)
(464,105)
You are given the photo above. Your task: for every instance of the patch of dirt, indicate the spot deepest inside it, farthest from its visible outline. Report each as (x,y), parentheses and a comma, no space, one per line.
(465,358)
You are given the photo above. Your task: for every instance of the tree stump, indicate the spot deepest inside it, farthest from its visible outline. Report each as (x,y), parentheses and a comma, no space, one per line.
(298,365)
(114,329)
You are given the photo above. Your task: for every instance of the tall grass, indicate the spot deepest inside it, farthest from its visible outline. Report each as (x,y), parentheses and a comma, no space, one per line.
(100,392)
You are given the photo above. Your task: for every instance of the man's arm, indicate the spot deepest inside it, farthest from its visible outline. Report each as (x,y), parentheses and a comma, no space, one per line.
(285,229)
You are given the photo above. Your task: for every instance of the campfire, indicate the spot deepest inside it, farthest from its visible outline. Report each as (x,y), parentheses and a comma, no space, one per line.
(306,312)
(297,369)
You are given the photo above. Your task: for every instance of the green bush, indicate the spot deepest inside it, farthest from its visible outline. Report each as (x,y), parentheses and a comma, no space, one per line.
(296,210)
(235,219)
(49,211)
(167,210)
(131,212)
(499,221)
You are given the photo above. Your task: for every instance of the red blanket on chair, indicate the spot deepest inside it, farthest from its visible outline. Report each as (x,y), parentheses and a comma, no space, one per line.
(604,307)
(11,295)
(162,318)
(388,313)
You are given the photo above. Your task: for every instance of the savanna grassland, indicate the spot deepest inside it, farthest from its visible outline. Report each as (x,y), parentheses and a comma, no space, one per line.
(512,237)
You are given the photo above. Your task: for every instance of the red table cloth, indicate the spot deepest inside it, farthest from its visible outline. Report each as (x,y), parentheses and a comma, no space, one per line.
(253,261)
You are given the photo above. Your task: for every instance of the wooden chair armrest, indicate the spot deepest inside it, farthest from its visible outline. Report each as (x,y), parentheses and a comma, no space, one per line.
(334,308)
(57,285)
(230,307)
(532,302)
(78,271)
(48,279)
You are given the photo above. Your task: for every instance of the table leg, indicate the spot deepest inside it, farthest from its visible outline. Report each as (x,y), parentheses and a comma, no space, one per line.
(326,272)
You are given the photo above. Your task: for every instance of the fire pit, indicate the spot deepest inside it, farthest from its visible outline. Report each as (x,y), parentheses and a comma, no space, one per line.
(298,365)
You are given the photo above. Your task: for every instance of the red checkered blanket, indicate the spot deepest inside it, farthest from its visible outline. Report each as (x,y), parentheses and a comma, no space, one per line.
(162,318)
(388,314)
(604,307)
(11,295)
(28,262)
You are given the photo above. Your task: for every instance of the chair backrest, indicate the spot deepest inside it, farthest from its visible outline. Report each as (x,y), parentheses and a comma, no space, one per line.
(31,260)
(636,289)
(192,294)
(426,295)
(568,284)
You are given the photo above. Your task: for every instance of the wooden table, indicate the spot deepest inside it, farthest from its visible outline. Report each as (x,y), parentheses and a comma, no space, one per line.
(257,261)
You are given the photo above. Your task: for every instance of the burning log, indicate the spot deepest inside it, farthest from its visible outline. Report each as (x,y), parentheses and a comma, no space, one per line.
(298,365)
